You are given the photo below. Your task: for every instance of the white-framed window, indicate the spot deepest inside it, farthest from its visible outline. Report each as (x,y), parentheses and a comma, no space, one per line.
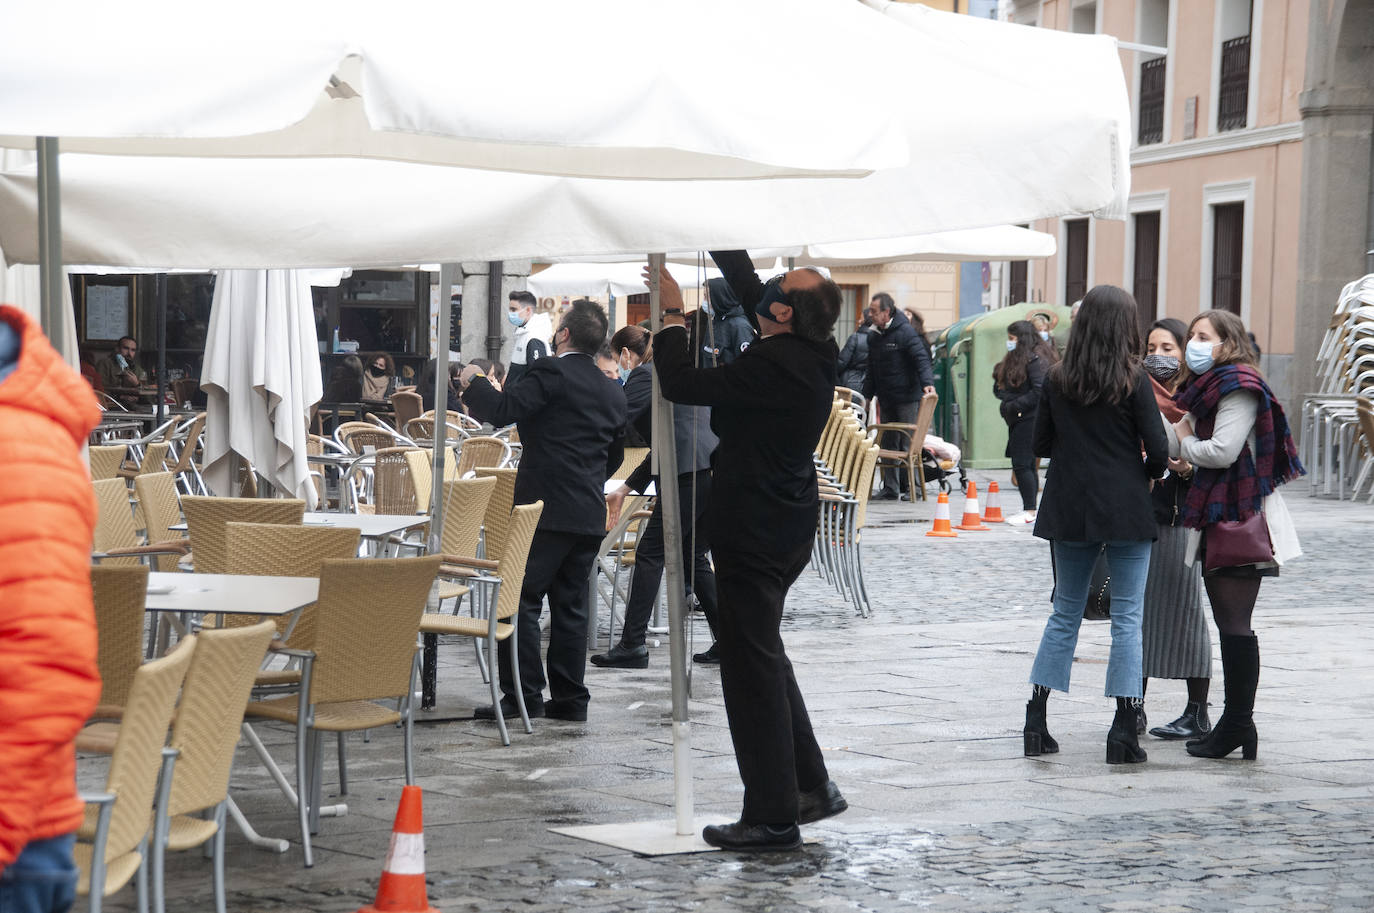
(1084,17)
(1228,234)
(1148,213)
(1153,76)
(1235,65)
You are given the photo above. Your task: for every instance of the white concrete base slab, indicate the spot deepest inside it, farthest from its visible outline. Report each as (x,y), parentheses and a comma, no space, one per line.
(647,838)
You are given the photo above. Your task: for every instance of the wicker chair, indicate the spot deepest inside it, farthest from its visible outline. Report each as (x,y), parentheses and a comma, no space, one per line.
(116,539)
(358,436)
(422,475)
(910,458)
(184,466)
(505,603)
(154,459)
(207,519)
(284,550)
(120,594)
(159,509)
(366,626)
(406,406)
(107,460)
(496,523)
(113,839)
(458,419)
(422,429)
(381,483)
(206,733)
(633,457)
(483,452)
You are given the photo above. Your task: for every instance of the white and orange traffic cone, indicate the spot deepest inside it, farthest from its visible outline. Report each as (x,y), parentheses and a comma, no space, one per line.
(971,520)
(941,528)
(402,889)
(993,513)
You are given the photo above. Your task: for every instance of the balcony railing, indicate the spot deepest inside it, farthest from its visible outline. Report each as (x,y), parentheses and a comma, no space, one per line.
(1151,128)
(1233,105)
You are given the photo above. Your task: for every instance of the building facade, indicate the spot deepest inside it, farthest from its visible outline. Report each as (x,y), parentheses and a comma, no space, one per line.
(1216,165)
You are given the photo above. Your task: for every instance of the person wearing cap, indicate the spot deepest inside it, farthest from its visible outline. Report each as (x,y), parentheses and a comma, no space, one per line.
(768,408)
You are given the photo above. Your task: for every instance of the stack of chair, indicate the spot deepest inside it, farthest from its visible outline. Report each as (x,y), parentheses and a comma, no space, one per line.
(845,461)
(1333,439)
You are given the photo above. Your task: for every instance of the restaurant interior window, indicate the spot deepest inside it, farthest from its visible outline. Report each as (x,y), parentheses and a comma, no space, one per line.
(1228,239)
(1075,259)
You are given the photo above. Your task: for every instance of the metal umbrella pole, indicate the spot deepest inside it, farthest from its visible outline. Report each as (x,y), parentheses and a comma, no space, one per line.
(448,273)
(665,465)
(50,277)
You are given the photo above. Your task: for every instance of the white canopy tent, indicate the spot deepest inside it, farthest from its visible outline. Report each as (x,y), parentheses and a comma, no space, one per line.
(602,279)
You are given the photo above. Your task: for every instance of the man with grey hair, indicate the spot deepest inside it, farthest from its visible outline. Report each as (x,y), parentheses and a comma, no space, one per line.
(899,374)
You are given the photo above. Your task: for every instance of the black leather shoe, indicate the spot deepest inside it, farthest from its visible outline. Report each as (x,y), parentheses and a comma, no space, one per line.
(824,801)
(752,838)
(1194,724)
(885,495)
(510,710)
(566,711)
(623,657)
(711,657)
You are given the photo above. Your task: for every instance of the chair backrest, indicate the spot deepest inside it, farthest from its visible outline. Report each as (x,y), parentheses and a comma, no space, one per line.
(119,594)
(422,429)
(496,523)
(206,519)
(137,757)
(406,406)
(633,457)
(465,506)
(393,491)
(284,550)
(184,389)
(482,452)
(114,524)
(190,441)
(924,416)
(511,566)
(106,460)
(358,436)
(422,474)
(213,699)
(863,483)
(154,457)
(158,510)
(367,623)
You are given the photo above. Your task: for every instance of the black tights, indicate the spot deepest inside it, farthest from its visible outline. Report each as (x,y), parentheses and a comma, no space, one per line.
(1197,689)
(1233,603)
(1028,483)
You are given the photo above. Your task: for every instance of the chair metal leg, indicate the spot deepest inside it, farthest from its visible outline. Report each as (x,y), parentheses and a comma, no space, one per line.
(408,717)
(161,824)
(515,668)
(343,766)
(302,778)
(217,849)
(141,878)
(315,765)
(496,692)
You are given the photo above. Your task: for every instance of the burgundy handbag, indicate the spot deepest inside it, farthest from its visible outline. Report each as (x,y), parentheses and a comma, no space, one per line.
(1231,543)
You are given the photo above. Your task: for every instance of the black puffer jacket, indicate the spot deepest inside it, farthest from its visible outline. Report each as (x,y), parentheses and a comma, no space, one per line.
(898,363)
(853,363)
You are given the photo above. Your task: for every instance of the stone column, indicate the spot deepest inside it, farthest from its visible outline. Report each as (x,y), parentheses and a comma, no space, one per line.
(514,274)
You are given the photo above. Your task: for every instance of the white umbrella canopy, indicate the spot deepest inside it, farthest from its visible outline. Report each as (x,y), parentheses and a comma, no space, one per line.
(599,279)
(261,376)
(416,81)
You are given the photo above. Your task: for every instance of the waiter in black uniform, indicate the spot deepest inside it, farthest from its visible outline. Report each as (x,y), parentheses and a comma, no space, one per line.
(768,408)
(571,419)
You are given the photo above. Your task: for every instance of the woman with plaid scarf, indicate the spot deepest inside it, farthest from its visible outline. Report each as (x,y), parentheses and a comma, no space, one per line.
(1236,435)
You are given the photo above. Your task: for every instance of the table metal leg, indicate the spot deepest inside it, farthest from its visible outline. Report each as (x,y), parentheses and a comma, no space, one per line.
(429,672)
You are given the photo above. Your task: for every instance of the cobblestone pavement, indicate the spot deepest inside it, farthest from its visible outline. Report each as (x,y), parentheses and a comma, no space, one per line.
(919,710)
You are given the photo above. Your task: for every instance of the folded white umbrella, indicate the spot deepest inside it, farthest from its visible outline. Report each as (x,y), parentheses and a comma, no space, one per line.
(601,279)
(261,376)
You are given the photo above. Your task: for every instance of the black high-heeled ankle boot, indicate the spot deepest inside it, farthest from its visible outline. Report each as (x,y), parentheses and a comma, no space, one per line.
(1236,727)
(1036,736)
(1123,744)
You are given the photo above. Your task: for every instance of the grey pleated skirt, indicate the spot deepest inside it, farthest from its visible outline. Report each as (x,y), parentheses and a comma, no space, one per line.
(1174,638)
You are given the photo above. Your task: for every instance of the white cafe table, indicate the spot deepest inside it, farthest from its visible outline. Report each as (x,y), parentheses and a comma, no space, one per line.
(372,526)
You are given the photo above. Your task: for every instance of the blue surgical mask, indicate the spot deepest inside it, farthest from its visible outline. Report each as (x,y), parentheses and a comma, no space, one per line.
(1011,345)
(772,293)
(624,374)
(1199,356)
(1045,335)
(514,318)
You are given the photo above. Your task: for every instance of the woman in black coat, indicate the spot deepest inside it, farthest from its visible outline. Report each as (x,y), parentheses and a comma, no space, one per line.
(1098,411)
(1017,382)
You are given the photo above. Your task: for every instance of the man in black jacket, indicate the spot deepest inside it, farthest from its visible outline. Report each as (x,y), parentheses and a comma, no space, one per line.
(899,374)
(571,419)
(768,409)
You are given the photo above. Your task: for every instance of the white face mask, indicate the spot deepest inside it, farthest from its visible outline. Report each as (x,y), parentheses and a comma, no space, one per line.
(1045,335)
(1011,345)
(1199,356)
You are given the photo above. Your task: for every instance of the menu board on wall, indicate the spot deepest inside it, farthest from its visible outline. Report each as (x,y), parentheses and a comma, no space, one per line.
(107,311)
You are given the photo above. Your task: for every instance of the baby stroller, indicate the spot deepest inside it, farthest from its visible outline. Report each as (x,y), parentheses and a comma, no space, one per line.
(935,469)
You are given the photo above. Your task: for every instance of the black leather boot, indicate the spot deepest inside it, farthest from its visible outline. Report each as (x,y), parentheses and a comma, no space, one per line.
(1240,665)
(1036,736)
(1193,724)
(1123,745)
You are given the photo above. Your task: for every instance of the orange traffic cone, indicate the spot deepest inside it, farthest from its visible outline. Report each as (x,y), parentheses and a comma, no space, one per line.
(971,520)
(993,514)
(402,889)
(941,528)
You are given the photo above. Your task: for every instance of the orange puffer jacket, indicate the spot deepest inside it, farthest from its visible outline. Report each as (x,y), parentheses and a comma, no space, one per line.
(48,678)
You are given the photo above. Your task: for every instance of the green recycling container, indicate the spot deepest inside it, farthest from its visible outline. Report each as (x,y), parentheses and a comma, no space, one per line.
(965,354)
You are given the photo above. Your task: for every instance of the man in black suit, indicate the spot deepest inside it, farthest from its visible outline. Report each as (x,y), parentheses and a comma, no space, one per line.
(571,419)
(769,407)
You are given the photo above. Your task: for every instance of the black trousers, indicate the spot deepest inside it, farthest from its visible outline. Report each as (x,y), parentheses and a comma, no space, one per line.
(895,479)
(649,558)
(558,566)
(1020,438)
(775,748)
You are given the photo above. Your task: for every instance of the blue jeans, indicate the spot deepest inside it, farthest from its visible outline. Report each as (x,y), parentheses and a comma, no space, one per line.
(1130,565)
(42,879)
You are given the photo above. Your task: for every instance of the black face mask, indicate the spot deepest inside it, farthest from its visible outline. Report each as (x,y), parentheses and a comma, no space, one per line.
(376,371)
(772,294)
(1161,367)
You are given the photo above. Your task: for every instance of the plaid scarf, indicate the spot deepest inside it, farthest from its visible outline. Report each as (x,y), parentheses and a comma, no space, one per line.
(1238,490)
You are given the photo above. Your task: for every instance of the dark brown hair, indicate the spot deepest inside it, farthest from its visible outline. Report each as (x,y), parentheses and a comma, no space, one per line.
(636,339)
(1102,360)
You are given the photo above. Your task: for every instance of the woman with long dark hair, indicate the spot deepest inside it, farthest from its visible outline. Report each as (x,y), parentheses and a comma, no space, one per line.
(1236,436)
(1017,382)
(1098,409)
(1175,642)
